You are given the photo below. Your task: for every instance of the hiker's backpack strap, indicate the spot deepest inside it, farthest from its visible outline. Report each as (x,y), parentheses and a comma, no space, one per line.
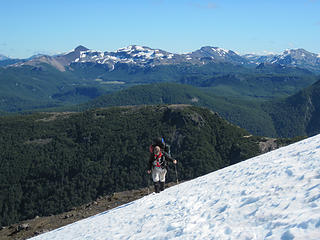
(151,148)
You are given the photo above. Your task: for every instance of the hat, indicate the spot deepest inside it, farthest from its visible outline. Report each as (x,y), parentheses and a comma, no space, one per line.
(156,150)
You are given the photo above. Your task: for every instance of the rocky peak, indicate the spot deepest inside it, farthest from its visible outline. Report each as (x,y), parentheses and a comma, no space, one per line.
(80,48)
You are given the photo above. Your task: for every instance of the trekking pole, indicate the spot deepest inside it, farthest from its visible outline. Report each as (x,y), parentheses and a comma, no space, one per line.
(175,167)
(148,185)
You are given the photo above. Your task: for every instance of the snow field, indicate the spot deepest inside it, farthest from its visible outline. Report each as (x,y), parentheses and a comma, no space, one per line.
(273,196)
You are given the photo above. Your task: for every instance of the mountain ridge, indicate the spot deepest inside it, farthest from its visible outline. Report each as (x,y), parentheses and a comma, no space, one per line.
(146,56)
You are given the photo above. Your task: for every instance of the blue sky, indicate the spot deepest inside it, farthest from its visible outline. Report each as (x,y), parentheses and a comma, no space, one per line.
(29,27)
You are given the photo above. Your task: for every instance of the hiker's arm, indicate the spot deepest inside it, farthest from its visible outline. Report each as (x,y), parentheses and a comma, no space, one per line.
(170,158)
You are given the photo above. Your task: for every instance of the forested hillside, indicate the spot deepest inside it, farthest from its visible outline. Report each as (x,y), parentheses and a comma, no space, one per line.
(245,113)
(51,162)
(43,86)
(298,114)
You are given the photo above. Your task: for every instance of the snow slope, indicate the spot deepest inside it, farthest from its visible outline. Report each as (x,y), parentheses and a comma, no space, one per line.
(272,196)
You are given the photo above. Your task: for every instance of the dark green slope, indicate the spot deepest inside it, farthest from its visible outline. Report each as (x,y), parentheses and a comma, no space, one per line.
(28,87)
(50,162)
(244,113)
(297,115)
(31,87)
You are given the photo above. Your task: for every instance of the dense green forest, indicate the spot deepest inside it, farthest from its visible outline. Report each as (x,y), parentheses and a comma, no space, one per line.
(298,114)
(245,113)
(51,162)
(33,87)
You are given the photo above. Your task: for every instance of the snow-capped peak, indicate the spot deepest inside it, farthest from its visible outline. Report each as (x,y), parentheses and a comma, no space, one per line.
(296,52)
(289,57)
(220,51)
(133,54)
(140,51)
(3,57)
(132,48)
(286,52)
(272,196)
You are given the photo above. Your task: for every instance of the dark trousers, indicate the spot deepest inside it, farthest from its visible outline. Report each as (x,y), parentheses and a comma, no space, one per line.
(159,186)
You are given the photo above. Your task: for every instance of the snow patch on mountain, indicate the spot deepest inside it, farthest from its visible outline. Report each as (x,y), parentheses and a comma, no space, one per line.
(220,51)
(273,196)
(290,58)
(2,57)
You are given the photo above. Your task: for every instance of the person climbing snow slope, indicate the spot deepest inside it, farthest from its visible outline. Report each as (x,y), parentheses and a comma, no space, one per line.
(158,166)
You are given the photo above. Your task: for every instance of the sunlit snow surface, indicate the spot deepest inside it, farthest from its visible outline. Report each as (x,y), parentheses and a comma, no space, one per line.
(272,196)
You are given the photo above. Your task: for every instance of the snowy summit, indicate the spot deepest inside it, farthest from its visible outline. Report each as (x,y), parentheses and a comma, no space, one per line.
(272,196)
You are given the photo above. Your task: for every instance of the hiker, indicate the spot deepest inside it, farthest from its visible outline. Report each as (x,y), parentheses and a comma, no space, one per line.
(158,166)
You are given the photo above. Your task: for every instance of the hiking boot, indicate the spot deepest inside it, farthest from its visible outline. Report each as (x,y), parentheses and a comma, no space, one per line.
(162,186)
(156,187)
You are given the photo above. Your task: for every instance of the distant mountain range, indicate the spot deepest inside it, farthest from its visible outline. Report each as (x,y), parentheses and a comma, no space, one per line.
(230,84)
(148,57)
